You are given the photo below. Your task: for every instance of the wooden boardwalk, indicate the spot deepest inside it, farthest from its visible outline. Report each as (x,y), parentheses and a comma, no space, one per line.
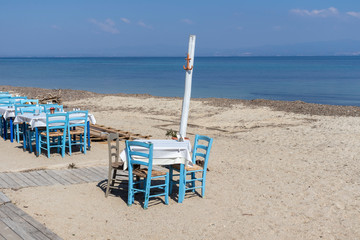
(16,224)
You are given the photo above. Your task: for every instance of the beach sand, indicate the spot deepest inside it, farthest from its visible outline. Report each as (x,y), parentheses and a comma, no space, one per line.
(278,170)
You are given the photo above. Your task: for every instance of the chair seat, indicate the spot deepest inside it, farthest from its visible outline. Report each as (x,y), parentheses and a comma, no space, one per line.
(53,134)
(117,165)
(76,132)
(143,173)
(188,168)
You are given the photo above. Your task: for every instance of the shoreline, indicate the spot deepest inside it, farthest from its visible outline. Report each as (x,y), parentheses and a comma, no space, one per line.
(297,107)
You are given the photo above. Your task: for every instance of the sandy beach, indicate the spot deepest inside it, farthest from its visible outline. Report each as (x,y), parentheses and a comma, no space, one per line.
(278,170)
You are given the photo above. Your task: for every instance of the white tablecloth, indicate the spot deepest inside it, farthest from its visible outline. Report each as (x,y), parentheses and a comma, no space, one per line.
(40,120)
(7,112)
(166,152)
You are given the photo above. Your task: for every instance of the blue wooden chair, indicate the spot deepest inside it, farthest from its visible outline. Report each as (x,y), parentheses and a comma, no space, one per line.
(77,126)
(19,128)
(29,135)
(200,160)
(5,95)
(4,102)
(143,155)
(55,134)
(29,101)
(46,107)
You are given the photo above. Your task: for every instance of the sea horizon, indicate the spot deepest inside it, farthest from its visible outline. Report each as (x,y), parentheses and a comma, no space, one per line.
(314,79)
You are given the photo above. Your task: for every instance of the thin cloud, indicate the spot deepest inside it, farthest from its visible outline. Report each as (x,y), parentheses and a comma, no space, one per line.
(125,20)
(107,26)
(142,24)
(354,14)
(327,12)
(187,21)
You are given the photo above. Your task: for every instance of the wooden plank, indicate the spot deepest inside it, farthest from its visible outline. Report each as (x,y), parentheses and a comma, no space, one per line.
(50,179)
(17,179)
(74,176)
(65,176)
(3,198)
(14,226)
(25,178)
(77,176)
(48,233)
(93,175)
(89,175)
(24,225)
(57,177)
(35,177)
(102,173)
(11,183)
(3,184)
(7,233)
(82,175)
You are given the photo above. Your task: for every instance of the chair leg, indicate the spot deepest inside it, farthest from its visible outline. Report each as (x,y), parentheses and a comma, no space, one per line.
(167,189)
(130,190)
(63,142)
(193,182)
(182,182)
(108,182)
(113,177)
(171,179)
(147,192)
(203,184)
(48,146)
(69,144)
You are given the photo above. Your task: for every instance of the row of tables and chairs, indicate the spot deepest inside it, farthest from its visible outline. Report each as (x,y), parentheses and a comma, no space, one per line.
(186,170)
(47,124)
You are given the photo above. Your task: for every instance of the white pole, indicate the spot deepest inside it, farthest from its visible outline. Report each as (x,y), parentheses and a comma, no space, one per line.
(188,79)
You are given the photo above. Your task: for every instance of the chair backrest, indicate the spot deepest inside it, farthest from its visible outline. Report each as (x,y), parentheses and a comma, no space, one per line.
(46,107)
(34,109)
(201,151)
(140,153)
(113,146)
(77,118)
(29,101)
(56,121)
(5,95)
(1,92)
(18,108)
(7,101)
(18,99)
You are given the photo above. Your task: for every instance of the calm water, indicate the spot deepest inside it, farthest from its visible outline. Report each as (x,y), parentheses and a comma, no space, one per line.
(327,80)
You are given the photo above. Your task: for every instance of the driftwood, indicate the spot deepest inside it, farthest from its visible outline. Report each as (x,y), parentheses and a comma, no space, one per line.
(50,98)
(100,132)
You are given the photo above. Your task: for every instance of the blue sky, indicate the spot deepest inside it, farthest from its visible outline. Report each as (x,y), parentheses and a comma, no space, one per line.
(161,28)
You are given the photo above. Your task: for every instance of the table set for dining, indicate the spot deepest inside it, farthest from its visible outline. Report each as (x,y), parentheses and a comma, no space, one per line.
(20,115)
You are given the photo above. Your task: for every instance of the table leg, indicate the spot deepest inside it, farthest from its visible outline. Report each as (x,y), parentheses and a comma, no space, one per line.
(11,130)
(88,135)
(181,184)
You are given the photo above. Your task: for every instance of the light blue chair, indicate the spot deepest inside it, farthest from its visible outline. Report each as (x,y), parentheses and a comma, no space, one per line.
(200,159)
(142,155)
(29,101)
(77,126)
(4,102)
(5,95)
(29,135)
(19,128)
(55,134)
(46,107)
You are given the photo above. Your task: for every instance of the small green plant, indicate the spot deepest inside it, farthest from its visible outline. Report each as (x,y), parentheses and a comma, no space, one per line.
(171,133)
(72,166)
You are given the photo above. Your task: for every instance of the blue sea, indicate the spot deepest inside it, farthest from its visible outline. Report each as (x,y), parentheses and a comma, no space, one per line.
(325,80)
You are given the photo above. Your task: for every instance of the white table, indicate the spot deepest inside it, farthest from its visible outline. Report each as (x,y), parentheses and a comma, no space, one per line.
(40,120)
(166,152)
(36,121)
(7,112)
